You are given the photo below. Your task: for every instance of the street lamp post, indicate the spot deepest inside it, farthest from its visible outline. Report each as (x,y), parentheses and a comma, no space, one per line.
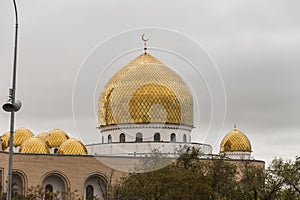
(12,106)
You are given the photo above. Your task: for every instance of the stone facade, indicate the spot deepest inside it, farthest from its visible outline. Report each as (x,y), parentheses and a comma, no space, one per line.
(72,170)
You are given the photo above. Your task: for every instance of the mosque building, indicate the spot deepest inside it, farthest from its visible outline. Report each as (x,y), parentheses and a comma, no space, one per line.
(145,106)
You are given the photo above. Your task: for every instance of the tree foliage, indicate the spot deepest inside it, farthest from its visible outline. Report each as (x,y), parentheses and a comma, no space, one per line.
(38,193)
(190,177)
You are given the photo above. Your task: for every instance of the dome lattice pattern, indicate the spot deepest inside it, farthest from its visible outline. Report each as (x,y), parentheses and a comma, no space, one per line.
(34,145)
(72,146)
(145,91)
(21,135)
(43,135)
(235,141)
(5,140)
(154,103)
(55,138)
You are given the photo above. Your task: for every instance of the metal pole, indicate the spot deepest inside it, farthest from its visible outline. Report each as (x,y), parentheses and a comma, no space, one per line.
(12,116)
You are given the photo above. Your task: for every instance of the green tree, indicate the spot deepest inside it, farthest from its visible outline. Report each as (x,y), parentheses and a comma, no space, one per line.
(170,182)
(279,181)
(38,193)
(287,174)
(188,177)
(252,181)
(223,175)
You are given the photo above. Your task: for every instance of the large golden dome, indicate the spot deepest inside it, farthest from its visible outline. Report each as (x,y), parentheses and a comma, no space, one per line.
(235,141)
(21,135)
(34,145)
(145,91)
(55,138)
(72,146)
(5,140)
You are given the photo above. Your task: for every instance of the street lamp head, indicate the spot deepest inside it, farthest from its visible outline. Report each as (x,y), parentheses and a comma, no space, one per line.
(12,107)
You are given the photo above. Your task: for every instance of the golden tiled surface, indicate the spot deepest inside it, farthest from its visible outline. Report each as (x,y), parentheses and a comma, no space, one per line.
(43,135)
(235,141)
(145,91)
(5,140)
(34,145)
(72,146)
(154,103)
(55,138)
(21,135)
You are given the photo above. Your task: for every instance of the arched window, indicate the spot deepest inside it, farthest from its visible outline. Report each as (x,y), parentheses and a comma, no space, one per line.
(173,137)
(49,192)
(122,137)
(18,183)
(89,192)
(156,137)
(109,139)
(139,137)
(184,137)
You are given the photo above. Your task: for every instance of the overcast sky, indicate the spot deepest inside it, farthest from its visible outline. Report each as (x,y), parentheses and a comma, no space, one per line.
(255,45)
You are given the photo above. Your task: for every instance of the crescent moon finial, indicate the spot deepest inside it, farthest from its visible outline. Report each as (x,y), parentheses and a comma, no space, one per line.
(145,42)
(143,38)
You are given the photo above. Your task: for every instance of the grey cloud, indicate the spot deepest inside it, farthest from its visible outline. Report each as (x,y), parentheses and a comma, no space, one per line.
(255,44)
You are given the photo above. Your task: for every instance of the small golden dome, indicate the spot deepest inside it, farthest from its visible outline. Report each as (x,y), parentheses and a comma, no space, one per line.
(5,140)
(235,141)
(21,135)
(34,145)
(43,135)
(55,138)
(145,91)
(72,146)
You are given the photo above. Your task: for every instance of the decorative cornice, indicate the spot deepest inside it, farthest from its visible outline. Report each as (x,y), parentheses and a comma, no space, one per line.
(147,126)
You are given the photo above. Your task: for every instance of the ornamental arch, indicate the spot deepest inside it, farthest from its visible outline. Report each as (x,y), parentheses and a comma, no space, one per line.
(95,185)
(55,180)
(19,182)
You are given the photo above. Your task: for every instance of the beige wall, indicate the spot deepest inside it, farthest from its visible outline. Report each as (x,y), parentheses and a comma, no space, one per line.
(75,169)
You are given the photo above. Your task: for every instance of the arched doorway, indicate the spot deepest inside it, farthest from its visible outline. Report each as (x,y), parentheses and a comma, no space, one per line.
(156,137)
(89,192)
(109,139)
(122,137)
(49,192)
(139,137)
(18,183)
(184,137)
(95,187)
(55,185)
(173,137)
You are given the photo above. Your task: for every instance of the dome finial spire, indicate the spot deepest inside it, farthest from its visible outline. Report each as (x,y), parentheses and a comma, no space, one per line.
(145,43)
(234,127)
